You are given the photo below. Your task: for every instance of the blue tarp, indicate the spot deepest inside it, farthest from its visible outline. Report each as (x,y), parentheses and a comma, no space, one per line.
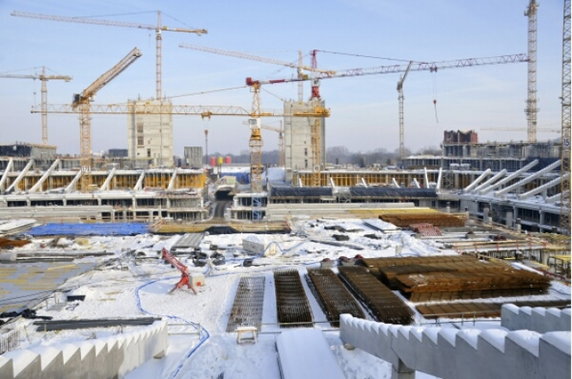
(99,229)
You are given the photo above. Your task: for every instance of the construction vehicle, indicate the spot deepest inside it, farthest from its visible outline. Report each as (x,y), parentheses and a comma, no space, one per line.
(159,28)
(42,77)
(185,275)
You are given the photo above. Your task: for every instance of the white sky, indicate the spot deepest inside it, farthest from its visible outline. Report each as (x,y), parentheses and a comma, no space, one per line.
(364,109)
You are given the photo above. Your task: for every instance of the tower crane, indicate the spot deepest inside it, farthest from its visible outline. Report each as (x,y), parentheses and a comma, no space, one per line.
(401,115)
(82,102)
(521,129)
(565,120)
(255,142)
(159,28)
(204,111)
(43,78)
(389,69)
(531,110)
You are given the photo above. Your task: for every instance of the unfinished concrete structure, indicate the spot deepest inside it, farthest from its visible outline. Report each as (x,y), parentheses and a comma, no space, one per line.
(193,156)
(467,353)
(300,148)
(150,136)
(113,195)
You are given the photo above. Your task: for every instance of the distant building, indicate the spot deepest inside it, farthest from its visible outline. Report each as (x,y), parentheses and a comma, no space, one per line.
(28,150)
(150,136)
(452,136)
(194,156)
(298,135)
(117,153)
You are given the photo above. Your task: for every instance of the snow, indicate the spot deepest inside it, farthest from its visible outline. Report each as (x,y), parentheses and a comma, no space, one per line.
(130,287)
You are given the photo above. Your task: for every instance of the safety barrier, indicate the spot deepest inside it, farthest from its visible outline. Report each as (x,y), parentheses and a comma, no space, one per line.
(461,354)
(109,357)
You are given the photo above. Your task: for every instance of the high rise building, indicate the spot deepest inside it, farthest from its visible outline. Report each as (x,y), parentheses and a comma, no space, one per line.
(150,136)
(298,141)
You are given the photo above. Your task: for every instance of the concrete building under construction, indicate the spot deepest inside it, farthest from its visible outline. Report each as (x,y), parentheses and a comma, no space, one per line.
(303,151)
(150,136)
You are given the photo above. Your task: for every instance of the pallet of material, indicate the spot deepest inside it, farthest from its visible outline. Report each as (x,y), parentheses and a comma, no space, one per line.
(382,303)
(479,309)
(292,304)
(436,219)
(333,296)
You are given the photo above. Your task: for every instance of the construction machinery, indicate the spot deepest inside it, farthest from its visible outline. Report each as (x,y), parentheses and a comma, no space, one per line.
(82,103)
(565,120)
(43,78)
(389,69)
(548,130)
(531,109)
(401,113)
(185,275)
(300,67)
(159,28)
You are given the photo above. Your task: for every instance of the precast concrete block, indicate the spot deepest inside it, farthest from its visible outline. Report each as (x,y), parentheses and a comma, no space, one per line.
(52,361)
(538,320)
(428,353)
(160,347)
(554,355)
(404,347)
(72,360)
(6,367)
(114,358)
(87,354)
(509,316)
(446,339)
(521,354)
(468,359)
(491,345)
(26,363)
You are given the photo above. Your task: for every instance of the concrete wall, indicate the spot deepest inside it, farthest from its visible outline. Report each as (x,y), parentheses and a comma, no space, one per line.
(461,354)
(100,358)
(540,320)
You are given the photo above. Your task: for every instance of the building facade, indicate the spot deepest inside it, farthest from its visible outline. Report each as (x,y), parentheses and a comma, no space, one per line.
(150,136)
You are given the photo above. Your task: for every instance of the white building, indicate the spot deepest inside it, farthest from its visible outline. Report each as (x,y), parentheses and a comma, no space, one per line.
(150,136)
(298,135)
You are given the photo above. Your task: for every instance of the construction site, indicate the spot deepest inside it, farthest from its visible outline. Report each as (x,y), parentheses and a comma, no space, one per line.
(144,262)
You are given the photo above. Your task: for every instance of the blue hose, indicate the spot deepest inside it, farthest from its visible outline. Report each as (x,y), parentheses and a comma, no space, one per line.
(204,335)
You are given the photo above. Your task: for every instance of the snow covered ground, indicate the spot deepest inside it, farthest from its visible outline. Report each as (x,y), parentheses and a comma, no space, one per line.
(135,283)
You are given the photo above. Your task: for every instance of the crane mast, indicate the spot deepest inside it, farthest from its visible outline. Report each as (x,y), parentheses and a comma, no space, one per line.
(400,99)
(158,28)
(44,94)
(82,102)
(565,119)
(531,109)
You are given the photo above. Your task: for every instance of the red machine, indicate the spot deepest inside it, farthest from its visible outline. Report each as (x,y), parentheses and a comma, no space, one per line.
(185,280)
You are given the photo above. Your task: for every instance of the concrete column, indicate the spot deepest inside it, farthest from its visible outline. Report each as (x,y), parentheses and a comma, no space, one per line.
(508,219)
(486,215)
(401,371)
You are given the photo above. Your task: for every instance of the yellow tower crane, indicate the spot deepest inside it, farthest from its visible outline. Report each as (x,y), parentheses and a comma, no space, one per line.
(43,78)
(159,28)
(255,142)
(82,103)
(397,68)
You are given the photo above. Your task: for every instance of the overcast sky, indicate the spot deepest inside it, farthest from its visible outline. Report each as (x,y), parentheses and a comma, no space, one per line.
(364,110)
